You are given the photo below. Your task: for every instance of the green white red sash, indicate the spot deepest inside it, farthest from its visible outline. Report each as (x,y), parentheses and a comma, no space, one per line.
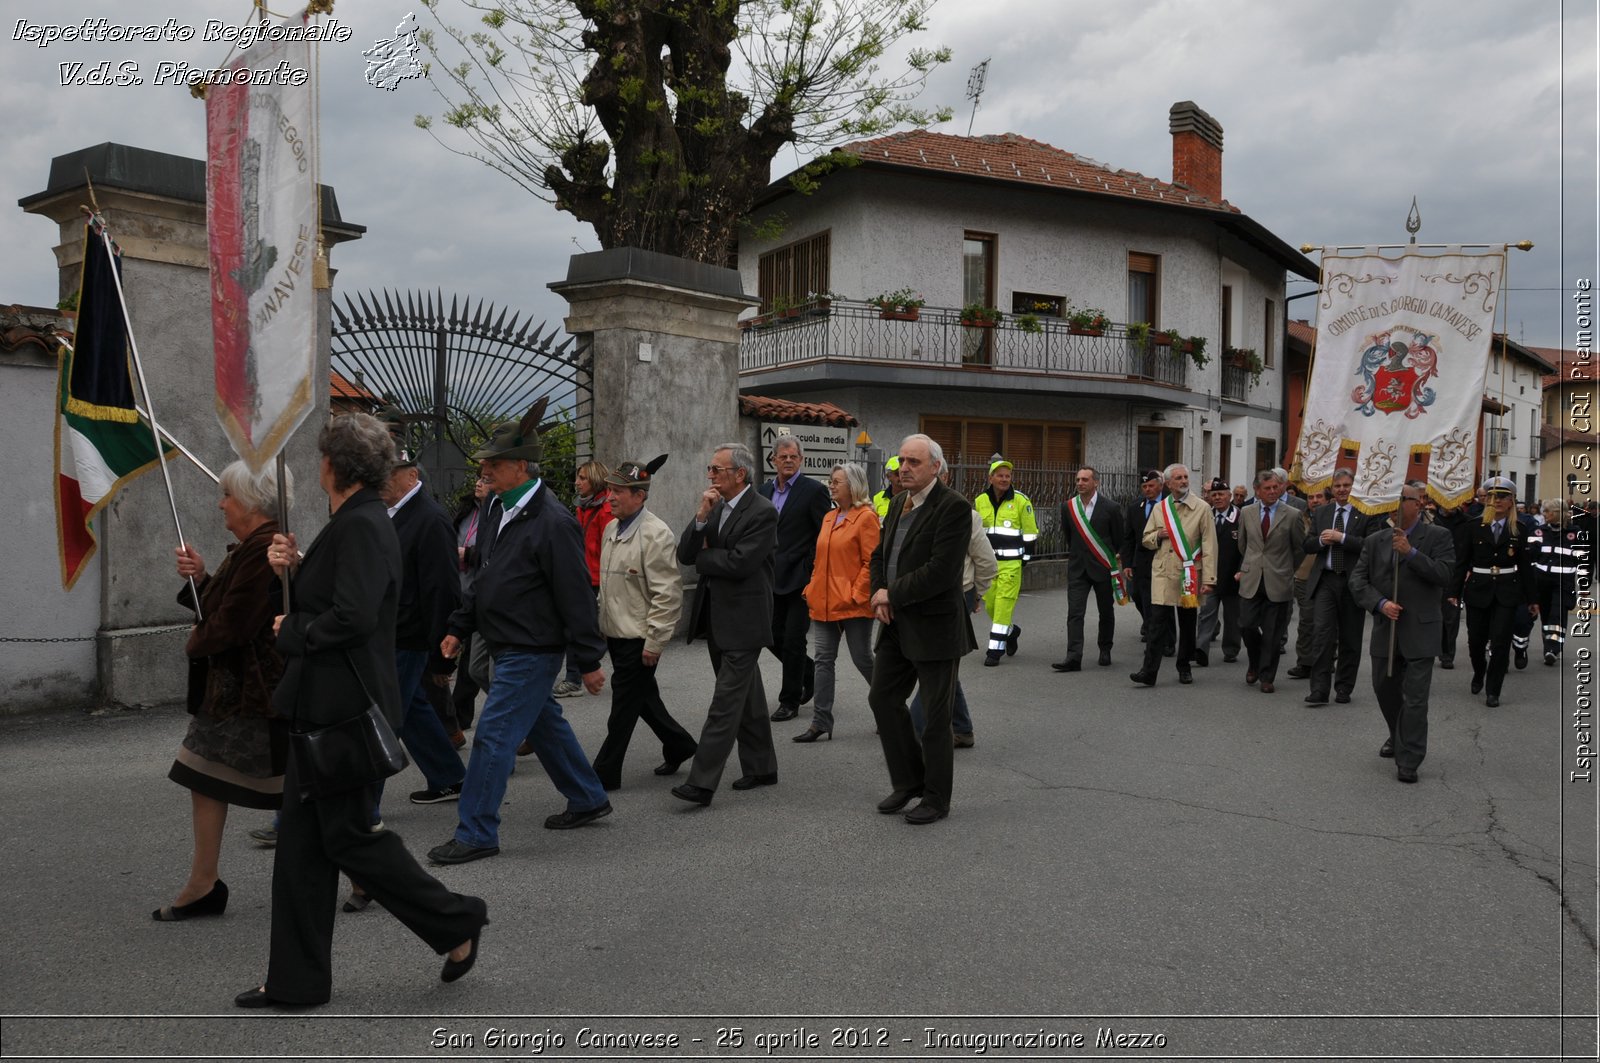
(1106,557)
(1187,553)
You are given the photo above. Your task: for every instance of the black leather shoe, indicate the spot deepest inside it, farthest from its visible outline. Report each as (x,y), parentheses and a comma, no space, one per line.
(1316,699)
(1105,659)
(1405,774)
(785,712)
(671,766)
(1342,699)
(1144,679)
(991,659)
(898,800)
(1477,682)
(750,782)
(569,819)
(1068,665)
(1202,659)
(213,903)
(257,998)
(811,734)
(1185,678)
(1250,678)
(924,814)
(456,852)
(1492,701)
(1387,749)
(1549,659)
(1229,658)
(1520,658)
(1011,640)
(1298,673)
(1446,663)
(454,969)
(696,795)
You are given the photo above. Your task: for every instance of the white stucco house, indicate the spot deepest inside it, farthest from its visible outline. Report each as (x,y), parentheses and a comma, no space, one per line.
(1011,223)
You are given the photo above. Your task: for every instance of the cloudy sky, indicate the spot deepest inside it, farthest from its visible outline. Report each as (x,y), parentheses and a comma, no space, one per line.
(1335,115)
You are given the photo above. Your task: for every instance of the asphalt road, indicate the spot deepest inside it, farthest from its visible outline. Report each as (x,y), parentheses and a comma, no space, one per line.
(1210,871)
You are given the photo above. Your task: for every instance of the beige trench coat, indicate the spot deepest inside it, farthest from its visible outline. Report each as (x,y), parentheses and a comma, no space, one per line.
(1166,571)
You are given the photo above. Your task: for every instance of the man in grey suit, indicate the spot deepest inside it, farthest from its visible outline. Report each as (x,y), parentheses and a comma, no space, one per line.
(1418,558)
(730,543)
(1271,535)
(917,596)
(1338,531)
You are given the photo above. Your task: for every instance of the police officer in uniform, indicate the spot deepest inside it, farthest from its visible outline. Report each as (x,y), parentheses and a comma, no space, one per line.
(1008,520)
(1494,575)
(1560,556)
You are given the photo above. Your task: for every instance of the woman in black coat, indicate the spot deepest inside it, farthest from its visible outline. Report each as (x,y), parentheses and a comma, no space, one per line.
(338,642)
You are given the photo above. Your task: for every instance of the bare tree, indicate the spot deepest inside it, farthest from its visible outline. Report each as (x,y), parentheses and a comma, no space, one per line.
(656,121)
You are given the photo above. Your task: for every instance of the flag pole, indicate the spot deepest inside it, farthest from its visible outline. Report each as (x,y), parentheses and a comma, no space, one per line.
(144,389)
(175,445)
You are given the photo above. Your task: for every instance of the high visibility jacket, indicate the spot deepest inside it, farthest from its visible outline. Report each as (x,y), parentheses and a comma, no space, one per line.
(880,504)
(1009,523)
(1560,553)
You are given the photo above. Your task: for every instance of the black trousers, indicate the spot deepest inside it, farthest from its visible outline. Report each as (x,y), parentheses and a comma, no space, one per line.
(634,697)
(316,841)
(1260,621)
(1140,593)
(1337,624)
(927,763)
(1555,600)
(1169,623)
(1452,630)
(1403,698)
(464,698)
(791,621)
(1489,629)
(1078,588)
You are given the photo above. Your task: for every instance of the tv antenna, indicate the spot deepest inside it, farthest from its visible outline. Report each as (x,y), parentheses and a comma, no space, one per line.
(975,89)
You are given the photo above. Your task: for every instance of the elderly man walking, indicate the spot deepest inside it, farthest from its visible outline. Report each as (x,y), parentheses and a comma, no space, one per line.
(530,602)
(641,595)
(1183,537)
(1271,540)
(917,596)
(730,542)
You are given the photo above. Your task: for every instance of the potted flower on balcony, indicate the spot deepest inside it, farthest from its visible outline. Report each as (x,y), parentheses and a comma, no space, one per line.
(1087,321)
(901,305)
(976,315)
(1246,358)
(784,307)
(1028,322)
(1195,348)
(819,304)
(1139,335)
(1167,337)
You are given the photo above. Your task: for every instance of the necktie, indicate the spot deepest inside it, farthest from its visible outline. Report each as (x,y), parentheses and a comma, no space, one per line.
(1338,552)
(1499,526)
(1266,523)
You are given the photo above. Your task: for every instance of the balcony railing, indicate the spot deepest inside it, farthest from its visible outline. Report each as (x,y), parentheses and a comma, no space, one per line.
(938,339)
(1236,383)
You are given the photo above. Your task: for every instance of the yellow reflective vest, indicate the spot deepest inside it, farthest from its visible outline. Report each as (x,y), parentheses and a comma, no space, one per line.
(1009,523)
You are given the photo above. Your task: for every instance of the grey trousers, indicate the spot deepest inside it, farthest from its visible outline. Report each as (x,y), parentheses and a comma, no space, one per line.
(1404,701)
(738,714)
(825,635)
(1218,615)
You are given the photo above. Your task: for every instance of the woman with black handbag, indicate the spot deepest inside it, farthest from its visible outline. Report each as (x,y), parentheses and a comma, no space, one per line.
(338,642)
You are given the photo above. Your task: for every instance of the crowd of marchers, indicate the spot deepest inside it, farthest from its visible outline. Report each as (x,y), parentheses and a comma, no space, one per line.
(401,605)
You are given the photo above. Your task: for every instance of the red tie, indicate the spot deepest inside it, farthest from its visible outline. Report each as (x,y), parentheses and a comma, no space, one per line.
(1266,522)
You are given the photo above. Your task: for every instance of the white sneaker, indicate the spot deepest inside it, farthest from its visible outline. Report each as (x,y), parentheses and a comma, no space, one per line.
(568,689)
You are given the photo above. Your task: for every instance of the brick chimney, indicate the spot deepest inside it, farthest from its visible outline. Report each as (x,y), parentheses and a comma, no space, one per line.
(1196,149)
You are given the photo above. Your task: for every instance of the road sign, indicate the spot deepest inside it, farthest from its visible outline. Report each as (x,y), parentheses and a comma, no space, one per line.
(821,445)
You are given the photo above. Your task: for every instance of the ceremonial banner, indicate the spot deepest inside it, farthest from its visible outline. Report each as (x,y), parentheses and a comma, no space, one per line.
(261,221)
(1402,351)
(101,441)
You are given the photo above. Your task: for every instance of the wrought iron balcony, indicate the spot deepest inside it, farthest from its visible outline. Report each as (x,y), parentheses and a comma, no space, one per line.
(1235,383)
(860,332)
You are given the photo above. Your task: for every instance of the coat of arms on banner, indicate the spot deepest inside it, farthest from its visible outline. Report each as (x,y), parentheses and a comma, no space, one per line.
(1395,368)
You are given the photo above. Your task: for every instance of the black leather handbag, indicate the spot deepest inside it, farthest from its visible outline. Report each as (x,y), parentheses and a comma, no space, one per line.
(349,755)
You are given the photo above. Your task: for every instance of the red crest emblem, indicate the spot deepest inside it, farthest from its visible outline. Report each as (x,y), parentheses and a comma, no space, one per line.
(1392,389)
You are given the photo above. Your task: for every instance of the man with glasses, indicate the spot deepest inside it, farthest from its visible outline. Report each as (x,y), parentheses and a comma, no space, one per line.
(1401,579)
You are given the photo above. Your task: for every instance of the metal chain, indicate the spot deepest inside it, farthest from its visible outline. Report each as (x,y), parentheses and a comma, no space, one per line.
(91,638)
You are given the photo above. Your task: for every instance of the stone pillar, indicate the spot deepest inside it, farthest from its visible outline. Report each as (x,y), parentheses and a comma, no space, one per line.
(154,204)
(666,363)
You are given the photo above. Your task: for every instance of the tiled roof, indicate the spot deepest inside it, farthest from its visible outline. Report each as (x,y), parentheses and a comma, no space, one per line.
(1009,157)
(1571,370)
(340,388)
(783,410)
(1555,435)
(31,326)
(1302,332)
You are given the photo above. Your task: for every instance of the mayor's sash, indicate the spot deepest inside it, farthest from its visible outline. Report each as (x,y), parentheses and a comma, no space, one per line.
(1104,556)
(1186,551)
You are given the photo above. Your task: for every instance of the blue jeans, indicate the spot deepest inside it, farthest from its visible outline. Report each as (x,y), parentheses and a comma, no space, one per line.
(420,730)
(960,719)
(520,704)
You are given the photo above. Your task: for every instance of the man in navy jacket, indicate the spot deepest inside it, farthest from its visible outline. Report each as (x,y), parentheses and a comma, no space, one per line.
(801,503)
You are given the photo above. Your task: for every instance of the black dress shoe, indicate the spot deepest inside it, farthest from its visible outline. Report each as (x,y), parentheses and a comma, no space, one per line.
(811,734)
(1268,688)
(1492,701)
(1446,663)
(1068,665)
(212,903)
(671,765)
(750,782)
(1477,682)
(1342,699)
(1316,699)
(1250,678)
(1144,679)
(697,795)
(257,998)
(1520,658)
(1298,673)
(1229,658)
(1387,749)
(570,819)
(991,659)
(1405,774)
(454,969)
(1185,678)
(1202,659)
(456,852)
(785,712)
(1105,659)
(898,800)
(1549,659)
(924,814)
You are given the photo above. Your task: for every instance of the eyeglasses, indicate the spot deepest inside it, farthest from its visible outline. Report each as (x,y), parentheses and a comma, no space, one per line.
(716,470)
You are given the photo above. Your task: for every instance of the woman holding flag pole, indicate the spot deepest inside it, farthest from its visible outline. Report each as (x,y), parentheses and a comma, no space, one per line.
(1181,532)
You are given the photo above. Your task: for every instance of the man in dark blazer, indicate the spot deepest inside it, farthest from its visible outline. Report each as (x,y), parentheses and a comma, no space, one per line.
(730,543)
(1090,561)
(917,596)
(1135,556)
(801,503)
(1219,613)
(430,590)
(1338,530)
(1271,537)
(1422,557)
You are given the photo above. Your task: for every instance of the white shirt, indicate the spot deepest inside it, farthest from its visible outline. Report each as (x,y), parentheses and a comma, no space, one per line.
(404,499)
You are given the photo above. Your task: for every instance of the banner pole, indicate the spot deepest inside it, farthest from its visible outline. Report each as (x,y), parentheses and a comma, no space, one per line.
(144,389)
(283,520)
(179,447)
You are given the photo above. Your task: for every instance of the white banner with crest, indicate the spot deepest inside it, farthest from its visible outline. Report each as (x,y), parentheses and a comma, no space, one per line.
(1402,351)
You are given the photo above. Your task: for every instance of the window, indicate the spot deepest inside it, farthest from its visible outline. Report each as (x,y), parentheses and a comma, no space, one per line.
(1266,454)
(977,286)
(1269,333)
(1034,303)
(795,271)
(1225,459)
(1143,278)
(1159,447)
(1036,444)
(1227,316)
